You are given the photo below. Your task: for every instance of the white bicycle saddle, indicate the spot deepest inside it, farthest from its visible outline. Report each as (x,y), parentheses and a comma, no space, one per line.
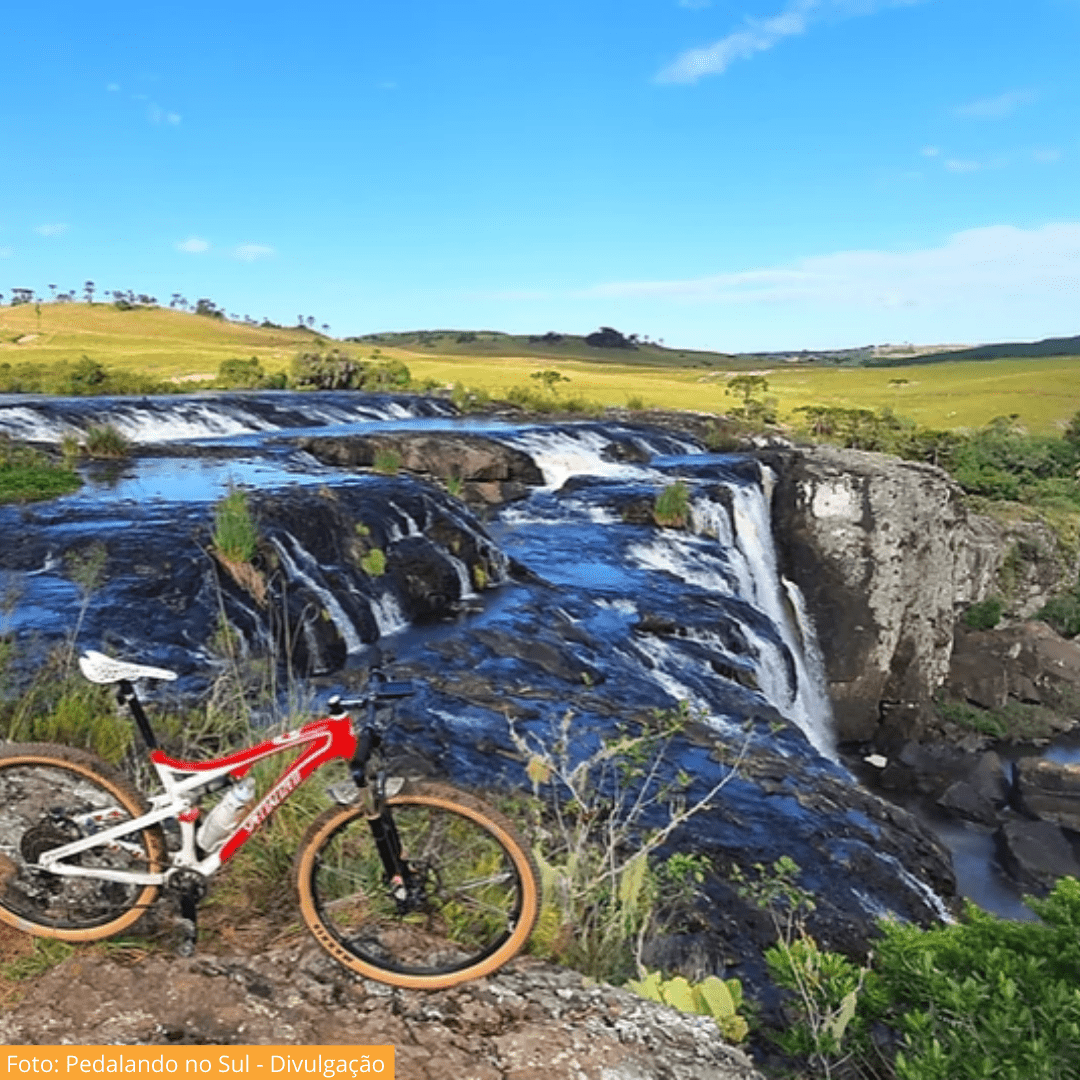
(99,668)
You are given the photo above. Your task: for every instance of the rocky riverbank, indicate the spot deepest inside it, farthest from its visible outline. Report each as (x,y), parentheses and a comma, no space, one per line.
(530,1021)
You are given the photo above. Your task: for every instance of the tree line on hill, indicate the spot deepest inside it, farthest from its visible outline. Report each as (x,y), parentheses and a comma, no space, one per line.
(129,300)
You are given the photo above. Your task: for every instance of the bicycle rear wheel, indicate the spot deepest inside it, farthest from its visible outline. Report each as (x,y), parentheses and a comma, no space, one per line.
(472,901)
(49,796)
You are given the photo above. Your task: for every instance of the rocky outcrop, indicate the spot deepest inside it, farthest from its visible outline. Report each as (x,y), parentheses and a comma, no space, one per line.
(527,1021)
(488,471)
(887,556)
(1028,663)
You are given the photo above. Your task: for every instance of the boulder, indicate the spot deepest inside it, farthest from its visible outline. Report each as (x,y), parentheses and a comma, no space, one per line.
(1049,791)
(1036,853)
(961,799)
(491,471)
(1028,662)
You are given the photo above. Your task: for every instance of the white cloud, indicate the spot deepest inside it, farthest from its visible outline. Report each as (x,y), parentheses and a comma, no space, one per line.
(758,35)
(157,115)
(6,252)
(113,87)
(695,5)
(995,108)
(961,165)
(252,252)
(193,245)
(980,268)
(1046,156)
(930,151)
(57,229)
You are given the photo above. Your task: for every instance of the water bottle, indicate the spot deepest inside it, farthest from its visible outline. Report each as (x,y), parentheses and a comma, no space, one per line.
(226,815)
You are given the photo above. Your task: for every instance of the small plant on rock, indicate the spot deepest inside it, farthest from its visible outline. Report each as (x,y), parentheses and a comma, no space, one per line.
(105,441)
(672,507)
(713,997)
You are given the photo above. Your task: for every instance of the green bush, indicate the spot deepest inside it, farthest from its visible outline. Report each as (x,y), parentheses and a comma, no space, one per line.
(235,533)
(1063,614)
(985,614)
(986,997)
(104,441)
(672,507)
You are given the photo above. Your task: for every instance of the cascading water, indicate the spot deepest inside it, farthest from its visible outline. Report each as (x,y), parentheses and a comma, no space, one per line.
(567,601)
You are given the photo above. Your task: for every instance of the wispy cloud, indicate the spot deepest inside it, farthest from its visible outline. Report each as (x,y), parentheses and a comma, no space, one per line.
(157,115)
(930,151)
(6,252)
(978,265)
(963,165)
(1046,155)
(54,230)
(252,252)
(758,35)
(193,245)
(695,5)
(995,108)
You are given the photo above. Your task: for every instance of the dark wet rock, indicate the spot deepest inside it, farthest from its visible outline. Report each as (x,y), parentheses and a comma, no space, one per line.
(1036,853)
(1049,791)
(961,799)
(494,472)
(429,583)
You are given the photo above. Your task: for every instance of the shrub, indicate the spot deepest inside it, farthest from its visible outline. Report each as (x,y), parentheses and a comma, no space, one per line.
(595,841)
(235,533)
(387,462)
(373,562)
(986,997)
(105,441)
(985,614)
(1063,614)
(672,507)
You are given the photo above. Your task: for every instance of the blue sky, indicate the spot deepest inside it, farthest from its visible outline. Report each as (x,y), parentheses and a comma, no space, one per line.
(733,174)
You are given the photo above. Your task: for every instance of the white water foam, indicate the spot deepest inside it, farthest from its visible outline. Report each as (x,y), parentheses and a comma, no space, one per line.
(562,454)
(345,627)
(386,610)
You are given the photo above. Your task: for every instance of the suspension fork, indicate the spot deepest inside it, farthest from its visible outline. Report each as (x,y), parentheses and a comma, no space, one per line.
(379,817)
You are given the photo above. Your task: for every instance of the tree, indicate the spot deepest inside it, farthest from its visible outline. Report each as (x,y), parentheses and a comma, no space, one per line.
(609,338)
(550,378)
(88,292)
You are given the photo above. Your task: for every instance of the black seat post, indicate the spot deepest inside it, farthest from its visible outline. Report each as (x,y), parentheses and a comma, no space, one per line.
(125,694)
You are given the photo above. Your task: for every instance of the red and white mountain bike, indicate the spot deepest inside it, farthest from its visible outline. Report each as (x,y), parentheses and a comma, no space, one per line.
(411,883)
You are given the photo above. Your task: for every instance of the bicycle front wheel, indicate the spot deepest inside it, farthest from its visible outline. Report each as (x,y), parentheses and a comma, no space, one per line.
(472,899)
(51,796)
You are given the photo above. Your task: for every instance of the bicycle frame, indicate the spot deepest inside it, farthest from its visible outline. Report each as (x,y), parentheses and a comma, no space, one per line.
(185,782)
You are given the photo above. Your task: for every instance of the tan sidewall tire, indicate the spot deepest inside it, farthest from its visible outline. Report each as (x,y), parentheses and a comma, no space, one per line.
(448,798)
(93,768)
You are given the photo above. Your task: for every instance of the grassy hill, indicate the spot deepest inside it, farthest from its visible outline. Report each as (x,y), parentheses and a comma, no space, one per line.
(160,343)
(948,393)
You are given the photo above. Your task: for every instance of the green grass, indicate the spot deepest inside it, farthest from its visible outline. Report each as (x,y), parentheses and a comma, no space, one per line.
(187,349)
(26,475)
